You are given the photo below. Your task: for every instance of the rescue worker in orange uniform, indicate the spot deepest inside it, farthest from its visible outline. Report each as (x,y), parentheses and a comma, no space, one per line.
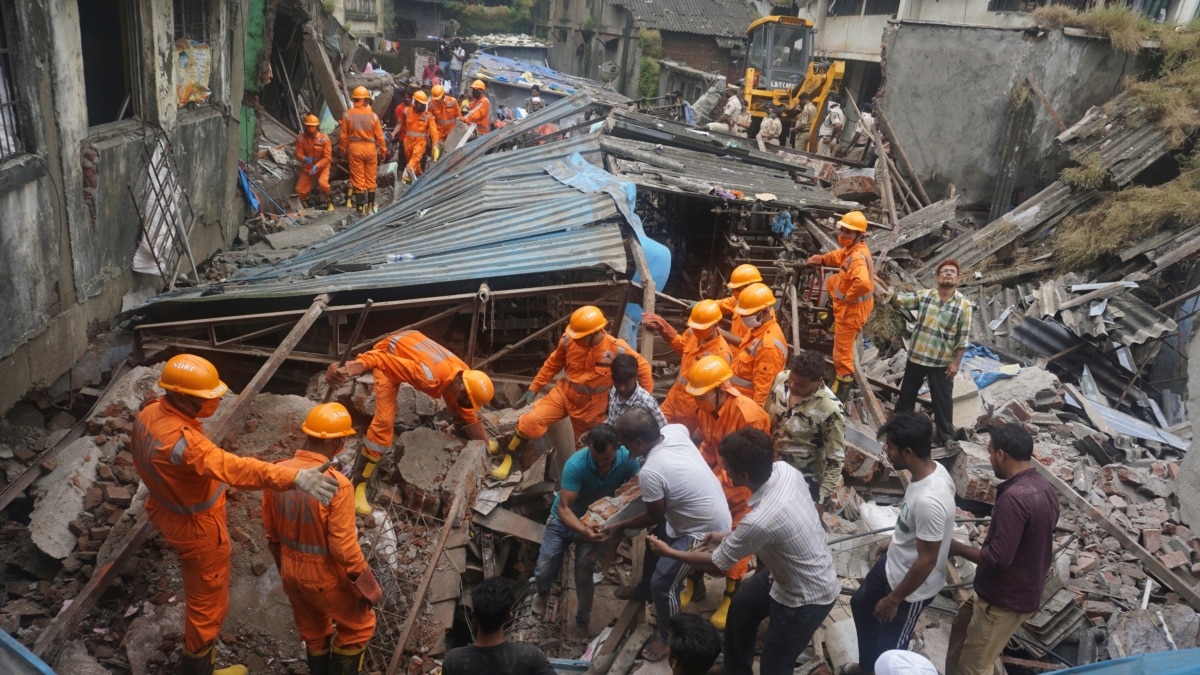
(315,153)
(742,276)
(409,356)
(586,352)
(762,355)
(363,145)
(722,410)
(851,291)
(186,475)
(702,338)
(480,112)
(420,133)
(317,553)
(445,111)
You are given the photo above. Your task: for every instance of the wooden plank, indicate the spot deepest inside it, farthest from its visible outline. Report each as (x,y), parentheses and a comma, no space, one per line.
(886,128)
(632,614)
(1128,542)
(874,409)
(505,521)
(315,51)
(1037,89)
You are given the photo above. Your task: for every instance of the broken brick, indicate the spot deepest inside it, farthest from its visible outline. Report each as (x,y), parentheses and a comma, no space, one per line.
(238,534)
(92,498)
(1131,475)
(118,496)
(115,516)
(260,568)
(124,458)
(1118,502)
(1086,562)
(1152,540)
(1174,559)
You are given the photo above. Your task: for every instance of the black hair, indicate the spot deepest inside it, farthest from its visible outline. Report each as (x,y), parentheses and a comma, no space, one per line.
(809,363)
(603,437)
(535,88)
(638,425)
(1014,441)
(624,367)
(748,450)
(695,643)
(491,603)
(910,430)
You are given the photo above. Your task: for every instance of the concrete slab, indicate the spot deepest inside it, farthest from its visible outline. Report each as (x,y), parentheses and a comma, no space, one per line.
(299,237)
(75,659)
(968,405)
(146,634)
(62,501)
(1024,386)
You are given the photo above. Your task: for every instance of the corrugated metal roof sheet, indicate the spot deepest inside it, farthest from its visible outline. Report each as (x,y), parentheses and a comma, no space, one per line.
(724,18)
(512,72)
(1113,313)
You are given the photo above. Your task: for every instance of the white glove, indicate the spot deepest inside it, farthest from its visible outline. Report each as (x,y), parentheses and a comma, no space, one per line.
(316,483)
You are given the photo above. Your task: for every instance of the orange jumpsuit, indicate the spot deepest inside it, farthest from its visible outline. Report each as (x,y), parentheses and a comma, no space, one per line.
(480,115)
(420,133)
(362,144)
(445,112)
(736,326)
(680,407)
(582,394)
(186,475)
(737,412)
(408,356)
(320,151)
(318,556)
(761,356)
(851,292)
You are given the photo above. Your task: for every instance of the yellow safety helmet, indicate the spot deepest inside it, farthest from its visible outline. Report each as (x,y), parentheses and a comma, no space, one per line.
(360,92)
(585,321)
(328,420)
(708,373)
(754,299)
(420,97)
(438,91)
(854,221)
(192,375)
(744,275)
(311,121)
(705,314)
(480,389)
(478,84)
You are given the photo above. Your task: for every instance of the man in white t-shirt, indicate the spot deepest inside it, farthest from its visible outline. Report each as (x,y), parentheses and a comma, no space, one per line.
(684,502)
(911,570)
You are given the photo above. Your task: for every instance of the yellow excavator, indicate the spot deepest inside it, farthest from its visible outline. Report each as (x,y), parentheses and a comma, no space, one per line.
(780,68)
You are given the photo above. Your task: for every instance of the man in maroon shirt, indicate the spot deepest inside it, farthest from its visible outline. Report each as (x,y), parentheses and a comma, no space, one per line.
(1014,559)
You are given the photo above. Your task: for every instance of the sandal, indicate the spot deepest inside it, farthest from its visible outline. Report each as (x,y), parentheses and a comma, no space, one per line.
(655,651)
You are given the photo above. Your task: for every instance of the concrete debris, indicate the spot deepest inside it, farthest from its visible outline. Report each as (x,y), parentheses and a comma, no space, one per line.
(68,490)
(75,659)
(299,237)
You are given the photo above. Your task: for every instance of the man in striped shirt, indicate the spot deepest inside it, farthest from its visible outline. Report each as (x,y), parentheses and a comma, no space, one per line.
(799,585)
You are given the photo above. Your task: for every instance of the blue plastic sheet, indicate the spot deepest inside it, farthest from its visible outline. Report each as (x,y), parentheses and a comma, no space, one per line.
(244,183)
(782,225)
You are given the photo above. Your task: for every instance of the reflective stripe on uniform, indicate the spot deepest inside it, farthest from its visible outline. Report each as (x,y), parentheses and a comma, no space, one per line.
(741,382)
(837,293)
(374,447)
(178,450)
(145,445)
(418,134)
(311,549)
(781,346)
(588,390)
(188,510)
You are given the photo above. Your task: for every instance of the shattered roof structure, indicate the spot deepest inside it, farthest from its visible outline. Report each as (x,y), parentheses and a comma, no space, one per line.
(515,73)
(720,18)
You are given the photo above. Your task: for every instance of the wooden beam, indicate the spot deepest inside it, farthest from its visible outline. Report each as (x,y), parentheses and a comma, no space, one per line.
(1046,102)
(632,614)
(874,409)
(502,520)
(314,49)
(886,128)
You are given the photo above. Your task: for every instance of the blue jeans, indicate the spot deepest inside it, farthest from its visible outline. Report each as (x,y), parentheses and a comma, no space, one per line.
(554,544)
(788,633)
(662,578)
(455,77)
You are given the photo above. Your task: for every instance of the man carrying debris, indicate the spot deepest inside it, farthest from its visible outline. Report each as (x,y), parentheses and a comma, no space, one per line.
(363,146)
(445,111)
(831,129)
(186,475)
(491,607)
(702,338)
(480,112)
(799,586)
(409,356)
(911,570)
(850,290)
(683,502)
(1012,564)
(763,352)
(590,474)
(315,154)
(742,276)
(937,345)
(808,425)
(315,547)
(627,394)
(585,352)
(420,133)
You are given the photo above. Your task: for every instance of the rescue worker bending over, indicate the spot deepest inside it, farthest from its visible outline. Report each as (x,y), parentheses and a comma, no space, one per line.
(586,352)
(315,153)
(186,475)
(850,290)
(763,351)
(741,277)
(363,146)
(480,112)
(409,356)
(445,111)
(316,551)
(420,133)
(702,338)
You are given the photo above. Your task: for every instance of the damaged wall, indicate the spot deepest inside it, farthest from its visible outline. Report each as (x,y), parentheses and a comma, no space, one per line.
(947,89)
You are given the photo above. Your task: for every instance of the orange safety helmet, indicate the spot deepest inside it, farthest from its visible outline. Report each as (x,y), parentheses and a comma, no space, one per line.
(420,97)
(480,389)
(705,314)
(328,420)
(754,299)
(360,92)
(708,373)
(854,221)
(478,84)
(192,375)
(437,91)
(585,321)
(744,275)
(311,121)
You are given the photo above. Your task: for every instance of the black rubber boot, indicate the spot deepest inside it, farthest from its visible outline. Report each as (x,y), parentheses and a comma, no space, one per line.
(346,661)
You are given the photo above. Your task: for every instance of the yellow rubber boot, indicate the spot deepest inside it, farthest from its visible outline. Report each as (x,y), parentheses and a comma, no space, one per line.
(201,663)
(722,614)
(841,387)
(361,504)
(329,205)
(493,447)
(685,598)
(239,669)
(501,472)
(349,197)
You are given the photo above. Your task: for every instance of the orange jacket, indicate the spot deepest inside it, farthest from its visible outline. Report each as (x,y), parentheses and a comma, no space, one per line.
(761,356)
(735,320)
(185,472)
(588,370)
(317,542)
(409,356)
(360,124)
(445,112)
(692,350)
(737,412)
(480,115)
(851,288)
(419,125)
(316,147)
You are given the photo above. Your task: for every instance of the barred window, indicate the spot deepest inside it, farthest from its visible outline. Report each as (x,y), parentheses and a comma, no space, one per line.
(10,130)
(191,20)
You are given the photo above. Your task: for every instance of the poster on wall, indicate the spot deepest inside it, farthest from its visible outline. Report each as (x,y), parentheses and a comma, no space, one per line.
(193,62)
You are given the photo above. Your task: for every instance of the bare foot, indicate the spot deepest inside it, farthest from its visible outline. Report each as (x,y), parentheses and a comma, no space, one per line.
(655,651)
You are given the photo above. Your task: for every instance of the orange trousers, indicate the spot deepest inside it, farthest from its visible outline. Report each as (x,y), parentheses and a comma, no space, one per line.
(679,407)
(382,431)
(414,149)
(585,411)
(202,542)
(364,163)
(304,183)
(738,499)
(844,337)
(318,605)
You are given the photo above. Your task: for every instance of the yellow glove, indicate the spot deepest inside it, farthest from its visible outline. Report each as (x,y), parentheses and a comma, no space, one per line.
(437,152)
